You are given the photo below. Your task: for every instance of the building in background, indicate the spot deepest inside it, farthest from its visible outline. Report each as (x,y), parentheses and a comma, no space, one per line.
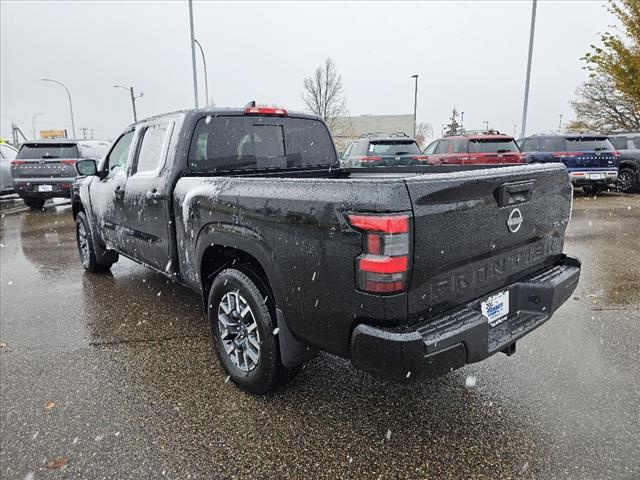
(347,129)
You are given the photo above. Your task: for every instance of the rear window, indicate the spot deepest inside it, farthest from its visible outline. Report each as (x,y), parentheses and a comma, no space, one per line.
(48,150)
(544,144)
(619,143)
(255,143)
(394,147)
(492,146)
(593,144)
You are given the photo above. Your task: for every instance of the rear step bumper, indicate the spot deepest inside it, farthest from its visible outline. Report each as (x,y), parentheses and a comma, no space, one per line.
(439,345)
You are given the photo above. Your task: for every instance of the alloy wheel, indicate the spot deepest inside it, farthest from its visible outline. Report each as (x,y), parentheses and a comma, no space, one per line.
(239,331)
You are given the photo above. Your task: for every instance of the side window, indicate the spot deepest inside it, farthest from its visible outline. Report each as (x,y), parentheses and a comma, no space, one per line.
(153,149)
(117,159)
(347,151)
(529,145)
(430,150)
(443,147)
(460,146)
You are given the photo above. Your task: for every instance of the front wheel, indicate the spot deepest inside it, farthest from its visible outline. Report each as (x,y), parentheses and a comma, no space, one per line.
(242,331)
(93,257)
(627,181)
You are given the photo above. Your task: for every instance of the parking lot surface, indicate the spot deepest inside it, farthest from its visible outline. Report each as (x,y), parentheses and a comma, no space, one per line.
(113,376)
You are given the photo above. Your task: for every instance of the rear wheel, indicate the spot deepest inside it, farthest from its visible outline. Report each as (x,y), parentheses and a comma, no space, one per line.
(242,331)
(93,257)
(34,203)
(627,181)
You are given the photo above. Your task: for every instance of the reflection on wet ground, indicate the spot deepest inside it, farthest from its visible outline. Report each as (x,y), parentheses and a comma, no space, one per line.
(125,360)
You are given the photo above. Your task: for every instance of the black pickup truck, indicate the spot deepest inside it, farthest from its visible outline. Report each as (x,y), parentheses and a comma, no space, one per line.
(408,272)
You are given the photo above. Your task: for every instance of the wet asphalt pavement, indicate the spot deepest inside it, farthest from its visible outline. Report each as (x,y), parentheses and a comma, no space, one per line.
(112,376)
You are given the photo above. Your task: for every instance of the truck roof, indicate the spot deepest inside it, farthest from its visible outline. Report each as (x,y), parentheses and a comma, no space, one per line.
(225,111)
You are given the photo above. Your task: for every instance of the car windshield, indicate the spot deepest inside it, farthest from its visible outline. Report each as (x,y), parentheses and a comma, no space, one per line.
(588,144)
(394,147)
(48,150)
(492,145)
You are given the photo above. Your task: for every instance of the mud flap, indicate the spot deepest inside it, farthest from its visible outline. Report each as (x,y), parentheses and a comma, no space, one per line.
(292,352)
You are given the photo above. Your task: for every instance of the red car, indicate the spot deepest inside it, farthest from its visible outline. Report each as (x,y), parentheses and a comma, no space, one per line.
(474,149)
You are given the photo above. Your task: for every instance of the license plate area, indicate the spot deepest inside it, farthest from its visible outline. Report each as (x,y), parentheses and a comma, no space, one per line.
(45,188)
(496,307)
(596,176)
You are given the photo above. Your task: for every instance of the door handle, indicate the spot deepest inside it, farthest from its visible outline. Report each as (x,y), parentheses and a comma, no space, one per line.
(154,195)
(514,193)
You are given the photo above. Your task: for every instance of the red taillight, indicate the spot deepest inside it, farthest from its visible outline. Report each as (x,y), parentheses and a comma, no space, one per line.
(68,162)
(17,162)
(370,159)
(566,154)
(266,111)
(616,153)
(382,223)
(420,158)
(383,267)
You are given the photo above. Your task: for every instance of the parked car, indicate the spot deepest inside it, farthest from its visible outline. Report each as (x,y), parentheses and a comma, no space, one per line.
(292,254)
(591,160)
(45,169)
(382,149)
(628,144)
(478,148)
(7,153)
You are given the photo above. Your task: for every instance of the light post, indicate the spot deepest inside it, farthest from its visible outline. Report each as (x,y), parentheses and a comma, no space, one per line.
(193,55)
(206,79)
(415,104)
(33,123)
(73,123)
(462,122)
(560,124)
(133,99)
(528,77)
(486,122)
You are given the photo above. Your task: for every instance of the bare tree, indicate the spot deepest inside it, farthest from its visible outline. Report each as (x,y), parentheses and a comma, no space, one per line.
(424,132)
(602,107)
(324,95)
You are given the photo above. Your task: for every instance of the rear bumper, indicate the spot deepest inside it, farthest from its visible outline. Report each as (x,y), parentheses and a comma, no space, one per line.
(451,340)
(588,177)
(30,188)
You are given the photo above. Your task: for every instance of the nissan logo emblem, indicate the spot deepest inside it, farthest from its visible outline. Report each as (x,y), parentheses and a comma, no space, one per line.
(514,222)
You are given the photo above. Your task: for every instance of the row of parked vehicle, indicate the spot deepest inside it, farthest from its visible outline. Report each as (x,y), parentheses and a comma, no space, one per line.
(44,169)
(595,162)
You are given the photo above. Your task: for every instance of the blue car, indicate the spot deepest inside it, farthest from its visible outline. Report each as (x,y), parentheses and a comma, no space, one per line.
(591,159)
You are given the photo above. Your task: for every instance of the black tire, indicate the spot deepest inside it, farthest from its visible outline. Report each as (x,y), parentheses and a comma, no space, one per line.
(260,375)
(627,181)
(94,258)
(34,203)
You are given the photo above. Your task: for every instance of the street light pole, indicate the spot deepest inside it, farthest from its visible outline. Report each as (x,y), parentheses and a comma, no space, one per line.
(462,121)
(528,77)
(133,99)
(73,123)
(415,104)
(560,124)
(33,123)
(193,55)
(486,122)
(206,79)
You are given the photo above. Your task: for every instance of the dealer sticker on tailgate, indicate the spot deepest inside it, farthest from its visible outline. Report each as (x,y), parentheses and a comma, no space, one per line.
(496,306)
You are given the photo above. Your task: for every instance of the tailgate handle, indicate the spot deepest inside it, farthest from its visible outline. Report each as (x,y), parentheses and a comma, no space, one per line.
(514,193)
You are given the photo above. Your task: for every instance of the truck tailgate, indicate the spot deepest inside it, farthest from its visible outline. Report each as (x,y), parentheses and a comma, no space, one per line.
(476,231)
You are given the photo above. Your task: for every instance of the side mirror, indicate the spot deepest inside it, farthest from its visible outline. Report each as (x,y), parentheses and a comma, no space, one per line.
(87,167)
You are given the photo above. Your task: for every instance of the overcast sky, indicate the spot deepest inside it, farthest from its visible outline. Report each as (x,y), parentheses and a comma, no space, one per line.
(471,55)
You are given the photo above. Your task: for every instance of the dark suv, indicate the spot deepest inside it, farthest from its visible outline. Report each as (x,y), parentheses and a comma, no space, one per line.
(590,159)
(628,144)
(45,169)
(382,149)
